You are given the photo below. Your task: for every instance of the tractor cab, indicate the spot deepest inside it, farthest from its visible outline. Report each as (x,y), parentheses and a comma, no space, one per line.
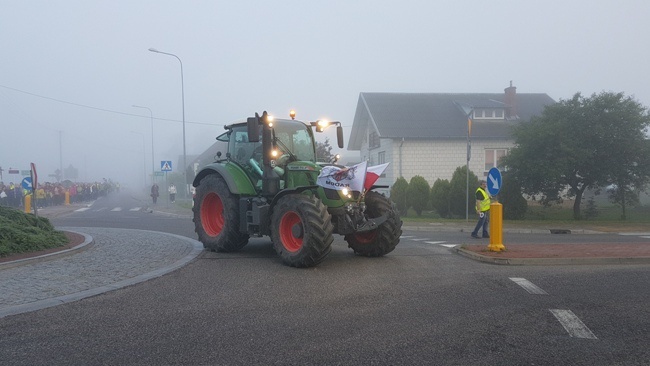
(290,141)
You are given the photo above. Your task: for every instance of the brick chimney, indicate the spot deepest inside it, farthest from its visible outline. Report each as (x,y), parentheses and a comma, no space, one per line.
(510,99)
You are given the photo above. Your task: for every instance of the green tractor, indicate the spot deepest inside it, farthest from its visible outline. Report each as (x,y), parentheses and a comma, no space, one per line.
(267,185)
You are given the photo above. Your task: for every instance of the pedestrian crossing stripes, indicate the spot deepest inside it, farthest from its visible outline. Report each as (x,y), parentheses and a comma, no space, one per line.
(572,324)
(114,209)
(528,286)
(425,240)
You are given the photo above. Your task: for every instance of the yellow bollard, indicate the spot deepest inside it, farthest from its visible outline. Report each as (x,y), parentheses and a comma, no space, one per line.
(67,198)
(28,203)
(496,228)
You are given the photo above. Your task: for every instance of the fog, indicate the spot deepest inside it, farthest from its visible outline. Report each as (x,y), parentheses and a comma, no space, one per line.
(71,71)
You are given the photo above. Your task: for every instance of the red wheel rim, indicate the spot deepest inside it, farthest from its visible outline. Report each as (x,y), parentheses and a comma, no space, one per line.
(366,237)
(286,230)
(212,214)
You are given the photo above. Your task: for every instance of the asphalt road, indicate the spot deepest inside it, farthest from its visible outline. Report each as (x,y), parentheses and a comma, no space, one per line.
(420,305)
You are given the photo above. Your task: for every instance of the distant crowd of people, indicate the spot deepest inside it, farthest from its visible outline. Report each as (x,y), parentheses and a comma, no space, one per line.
(52,194)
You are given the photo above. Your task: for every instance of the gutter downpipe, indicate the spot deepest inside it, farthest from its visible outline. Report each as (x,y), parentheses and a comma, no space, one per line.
(400,157)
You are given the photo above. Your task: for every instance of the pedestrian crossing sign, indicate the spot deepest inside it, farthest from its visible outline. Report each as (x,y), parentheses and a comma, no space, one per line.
(166,166)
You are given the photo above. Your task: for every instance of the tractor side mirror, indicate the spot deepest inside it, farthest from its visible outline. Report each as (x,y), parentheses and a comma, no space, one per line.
(339,136)
(253,130)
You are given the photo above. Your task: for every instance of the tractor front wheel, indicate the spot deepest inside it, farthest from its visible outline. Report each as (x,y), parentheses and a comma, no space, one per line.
(382,240)
(216,216)
(301,230)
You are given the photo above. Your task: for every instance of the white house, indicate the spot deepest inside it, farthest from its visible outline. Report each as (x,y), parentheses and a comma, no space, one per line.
(427,134)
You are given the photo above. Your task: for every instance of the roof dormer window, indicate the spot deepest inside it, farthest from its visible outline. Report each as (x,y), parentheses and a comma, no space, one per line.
(489,113)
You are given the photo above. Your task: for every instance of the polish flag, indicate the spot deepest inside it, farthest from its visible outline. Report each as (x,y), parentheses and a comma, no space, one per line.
(373,173)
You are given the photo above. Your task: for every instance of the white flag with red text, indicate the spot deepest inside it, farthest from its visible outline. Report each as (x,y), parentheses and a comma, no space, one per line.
(373,173)
(337,178)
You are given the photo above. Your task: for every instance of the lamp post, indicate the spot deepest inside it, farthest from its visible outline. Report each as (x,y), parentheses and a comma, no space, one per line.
(153,166)
(183,101)
(469,156)
(144,159)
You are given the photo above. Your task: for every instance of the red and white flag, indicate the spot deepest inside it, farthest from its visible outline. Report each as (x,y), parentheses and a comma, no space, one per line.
(352,178)
(373,173)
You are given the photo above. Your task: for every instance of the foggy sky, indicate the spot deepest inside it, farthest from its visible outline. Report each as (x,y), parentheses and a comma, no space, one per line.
(70,71)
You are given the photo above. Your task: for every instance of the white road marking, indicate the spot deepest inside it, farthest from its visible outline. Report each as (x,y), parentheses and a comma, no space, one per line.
(449,245)
(419,239)
(406,236)
(82,209)
(101,209)
(637,234)
(528,286)
(117,209)
(135,209)
(434,242)
(572,324)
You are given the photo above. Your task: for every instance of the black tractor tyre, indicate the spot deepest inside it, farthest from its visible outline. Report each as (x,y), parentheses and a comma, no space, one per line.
(382,240)
(216,216)
(301,230)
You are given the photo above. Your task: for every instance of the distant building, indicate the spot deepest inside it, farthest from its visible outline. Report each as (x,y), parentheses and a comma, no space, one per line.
(426,134)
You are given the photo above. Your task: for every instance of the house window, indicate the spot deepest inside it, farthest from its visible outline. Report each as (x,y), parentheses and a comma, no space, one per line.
(492,157)
(488,113)
(381,157)
(373,140)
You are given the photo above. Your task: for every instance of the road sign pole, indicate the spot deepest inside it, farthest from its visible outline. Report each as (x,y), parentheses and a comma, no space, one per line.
(32,174)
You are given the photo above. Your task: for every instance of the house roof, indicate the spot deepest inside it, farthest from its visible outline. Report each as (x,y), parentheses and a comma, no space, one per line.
(438,115)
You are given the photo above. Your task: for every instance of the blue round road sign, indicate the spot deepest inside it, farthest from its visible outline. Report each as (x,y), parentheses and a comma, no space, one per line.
(494,181)
(27,183)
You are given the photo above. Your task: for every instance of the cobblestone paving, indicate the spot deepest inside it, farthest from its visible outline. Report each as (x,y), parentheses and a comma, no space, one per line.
(116,255)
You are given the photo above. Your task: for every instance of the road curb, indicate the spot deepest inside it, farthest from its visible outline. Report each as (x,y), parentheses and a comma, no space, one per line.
(88,243)
(196,248)
(549,261)
(512,230)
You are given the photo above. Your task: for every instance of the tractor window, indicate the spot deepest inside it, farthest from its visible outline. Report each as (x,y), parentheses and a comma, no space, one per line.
(241,150)
(224,137)
(296,138)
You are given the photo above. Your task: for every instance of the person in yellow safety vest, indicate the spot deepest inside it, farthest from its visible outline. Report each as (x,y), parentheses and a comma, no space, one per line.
(483,210)
(40,196)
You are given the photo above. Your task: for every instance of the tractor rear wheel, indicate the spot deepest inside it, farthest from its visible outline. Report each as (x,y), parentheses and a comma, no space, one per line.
(216,216)
(301,230)
(382,240)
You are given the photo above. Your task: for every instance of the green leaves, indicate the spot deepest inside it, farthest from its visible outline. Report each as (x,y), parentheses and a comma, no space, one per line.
(22,233)
(582,143)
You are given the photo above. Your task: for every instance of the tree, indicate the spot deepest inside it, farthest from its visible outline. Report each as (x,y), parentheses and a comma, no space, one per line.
(461,204)
(578,144)
(399,195)
(440,199)
(514,204)
(71,173)
(418,188)
(324,150)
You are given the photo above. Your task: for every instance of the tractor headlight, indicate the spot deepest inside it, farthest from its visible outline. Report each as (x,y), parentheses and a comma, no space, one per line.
(346,192)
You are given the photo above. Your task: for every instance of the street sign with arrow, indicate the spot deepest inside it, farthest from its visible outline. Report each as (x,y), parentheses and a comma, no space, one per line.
(494,181)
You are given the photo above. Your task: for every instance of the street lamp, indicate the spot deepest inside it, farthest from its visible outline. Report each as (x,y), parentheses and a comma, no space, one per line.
(153,166)
(144,159)
(183,100)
